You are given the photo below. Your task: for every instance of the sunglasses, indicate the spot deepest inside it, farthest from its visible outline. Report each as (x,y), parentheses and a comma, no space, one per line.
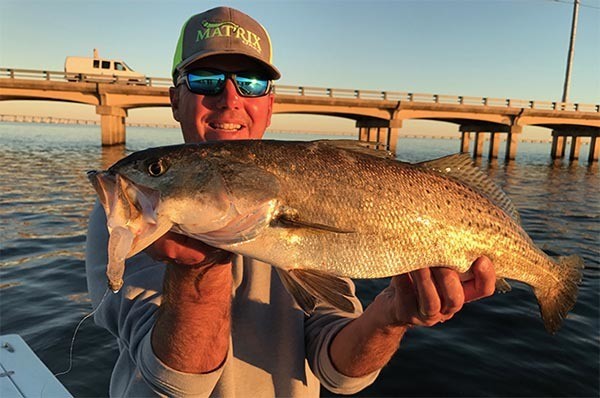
(212,82)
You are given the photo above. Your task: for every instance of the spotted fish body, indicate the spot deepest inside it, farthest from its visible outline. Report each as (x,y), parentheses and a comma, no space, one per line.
(325,209)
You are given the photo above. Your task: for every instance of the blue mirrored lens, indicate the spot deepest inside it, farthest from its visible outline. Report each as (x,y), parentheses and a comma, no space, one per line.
(252,86)
(206,82)
(209,82)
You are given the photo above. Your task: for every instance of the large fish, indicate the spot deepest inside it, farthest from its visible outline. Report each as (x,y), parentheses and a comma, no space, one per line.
(327,209)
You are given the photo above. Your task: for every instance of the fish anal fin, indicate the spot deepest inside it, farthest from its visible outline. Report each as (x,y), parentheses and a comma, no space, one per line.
(461,167)
(328,288)
(502,286)
(305,300)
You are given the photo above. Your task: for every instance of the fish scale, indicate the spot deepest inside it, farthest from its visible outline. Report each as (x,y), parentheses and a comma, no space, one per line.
(392,215)
(327,209)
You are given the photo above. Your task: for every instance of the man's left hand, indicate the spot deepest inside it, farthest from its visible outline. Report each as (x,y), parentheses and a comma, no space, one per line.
(429,296)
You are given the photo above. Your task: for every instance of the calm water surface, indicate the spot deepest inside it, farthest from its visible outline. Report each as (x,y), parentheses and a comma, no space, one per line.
(495,347)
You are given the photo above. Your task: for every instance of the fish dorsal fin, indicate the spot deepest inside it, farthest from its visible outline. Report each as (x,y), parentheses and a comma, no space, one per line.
(461,167)
(364,147)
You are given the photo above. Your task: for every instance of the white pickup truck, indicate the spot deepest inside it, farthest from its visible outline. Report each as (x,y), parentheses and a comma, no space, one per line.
(101,70)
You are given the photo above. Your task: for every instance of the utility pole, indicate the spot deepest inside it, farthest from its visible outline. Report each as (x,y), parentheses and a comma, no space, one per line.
(565,97)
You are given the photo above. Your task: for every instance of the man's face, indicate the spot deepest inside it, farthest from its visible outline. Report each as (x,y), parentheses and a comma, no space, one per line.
(225,116)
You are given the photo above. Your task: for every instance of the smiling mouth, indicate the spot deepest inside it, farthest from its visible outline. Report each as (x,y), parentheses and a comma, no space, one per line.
(225,126)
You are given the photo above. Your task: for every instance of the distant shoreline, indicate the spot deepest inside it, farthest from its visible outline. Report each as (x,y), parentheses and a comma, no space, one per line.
(88,122)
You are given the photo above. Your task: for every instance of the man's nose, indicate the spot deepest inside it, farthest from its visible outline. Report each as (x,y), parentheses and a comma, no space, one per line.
(229,98)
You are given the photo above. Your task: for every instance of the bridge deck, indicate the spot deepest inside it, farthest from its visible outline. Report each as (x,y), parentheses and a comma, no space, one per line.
(378,114)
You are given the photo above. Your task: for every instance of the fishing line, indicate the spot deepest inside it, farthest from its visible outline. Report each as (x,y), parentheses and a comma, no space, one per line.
(75,334)
(73,343)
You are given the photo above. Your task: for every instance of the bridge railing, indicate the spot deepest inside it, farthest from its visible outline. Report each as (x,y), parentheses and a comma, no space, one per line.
(305,91)
(82,78)
(320,92)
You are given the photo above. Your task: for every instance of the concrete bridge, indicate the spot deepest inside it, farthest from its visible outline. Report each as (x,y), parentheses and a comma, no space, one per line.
(378,114)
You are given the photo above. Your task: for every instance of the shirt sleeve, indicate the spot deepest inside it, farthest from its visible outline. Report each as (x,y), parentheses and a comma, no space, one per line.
(130,315)
(320,329)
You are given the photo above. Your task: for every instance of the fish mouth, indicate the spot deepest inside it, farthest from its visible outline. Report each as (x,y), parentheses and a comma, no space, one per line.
(130,206)
(132,219)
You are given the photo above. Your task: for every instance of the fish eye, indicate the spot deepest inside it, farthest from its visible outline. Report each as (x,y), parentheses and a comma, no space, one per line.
(157,168)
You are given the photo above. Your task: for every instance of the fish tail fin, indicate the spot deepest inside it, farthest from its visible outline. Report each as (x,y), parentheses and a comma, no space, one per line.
(557,300)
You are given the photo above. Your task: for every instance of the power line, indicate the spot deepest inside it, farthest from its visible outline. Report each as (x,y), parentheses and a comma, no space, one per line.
(571,3)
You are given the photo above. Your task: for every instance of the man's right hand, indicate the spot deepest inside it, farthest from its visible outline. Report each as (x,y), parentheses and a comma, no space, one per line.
(180,249)
(192,330)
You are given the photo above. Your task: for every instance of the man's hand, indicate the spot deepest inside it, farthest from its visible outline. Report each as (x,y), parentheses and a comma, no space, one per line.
(179,249)
(431,295)
(192,330)
(424,297)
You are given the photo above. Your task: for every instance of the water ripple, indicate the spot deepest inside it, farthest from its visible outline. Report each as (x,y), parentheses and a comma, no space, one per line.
(494,347)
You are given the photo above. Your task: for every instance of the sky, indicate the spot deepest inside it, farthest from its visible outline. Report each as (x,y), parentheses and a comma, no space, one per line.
(487,48)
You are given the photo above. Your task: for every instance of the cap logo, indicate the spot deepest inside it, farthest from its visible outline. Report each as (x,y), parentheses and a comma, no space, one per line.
(228,29)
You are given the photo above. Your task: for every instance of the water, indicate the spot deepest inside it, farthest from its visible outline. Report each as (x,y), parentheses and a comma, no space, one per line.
(495,347)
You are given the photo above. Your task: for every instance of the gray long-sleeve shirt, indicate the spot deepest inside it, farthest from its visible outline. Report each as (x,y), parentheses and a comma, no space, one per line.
(275,350)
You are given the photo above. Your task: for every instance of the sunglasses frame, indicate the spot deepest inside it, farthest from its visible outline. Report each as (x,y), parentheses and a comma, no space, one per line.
(183,77)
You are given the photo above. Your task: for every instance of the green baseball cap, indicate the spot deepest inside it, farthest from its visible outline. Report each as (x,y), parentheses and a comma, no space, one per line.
(219,31)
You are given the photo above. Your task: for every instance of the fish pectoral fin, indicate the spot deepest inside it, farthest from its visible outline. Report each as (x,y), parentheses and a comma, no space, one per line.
(328,288)
(305,300)
(291,220)
(502,286)
(309,286)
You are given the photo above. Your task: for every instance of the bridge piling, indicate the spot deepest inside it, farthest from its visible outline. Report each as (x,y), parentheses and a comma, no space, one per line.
(112,124)
(594,150)
(558,146)
(392,138)
(363,134)
(495,130)
(464,141)
(494,145)
(377,134)
(575,148)
(380,131)
(559,140)
(512,142)
(478,146)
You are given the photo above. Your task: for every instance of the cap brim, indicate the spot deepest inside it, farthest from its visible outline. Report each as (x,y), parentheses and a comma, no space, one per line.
(272,71)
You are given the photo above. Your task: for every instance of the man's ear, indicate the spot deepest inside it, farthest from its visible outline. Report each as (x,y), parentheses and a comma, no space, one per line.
(174,96)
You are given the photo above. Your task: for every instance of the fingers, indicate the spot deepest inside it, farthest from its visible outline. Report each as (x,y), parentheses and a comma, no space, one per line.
(402,288)
(429,302)
(428,296)
(450,290)
(439,292)
(179,249)
(484,282)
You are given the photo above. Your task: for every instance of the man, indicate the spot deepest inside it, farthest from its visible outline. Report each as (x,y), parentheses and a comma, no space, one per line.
(192,320)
